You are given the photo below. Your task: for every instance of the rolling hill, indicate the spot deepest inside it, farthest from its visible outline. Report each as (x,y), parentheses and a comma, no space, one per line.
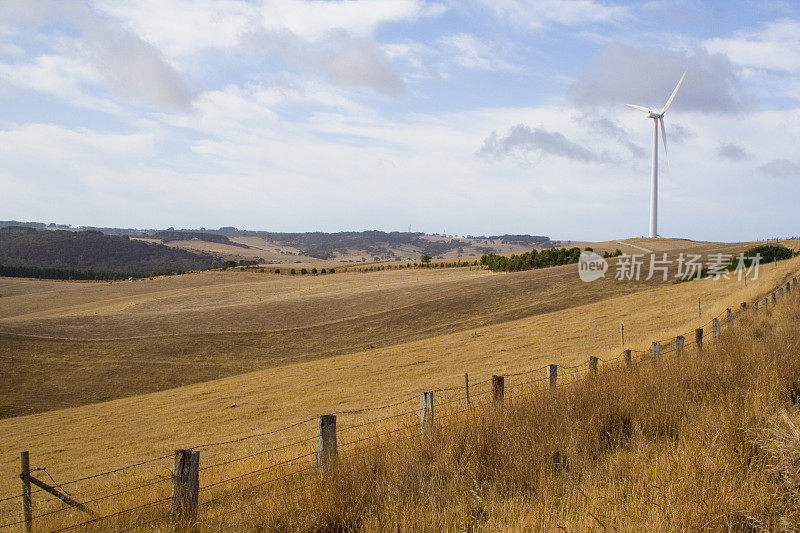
(32,252)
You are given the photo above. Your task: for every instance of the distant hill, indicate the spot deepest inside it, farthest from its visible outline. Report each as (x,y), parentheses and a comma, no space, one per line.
(88,255)
(232,243)
(188,235)
(377,243)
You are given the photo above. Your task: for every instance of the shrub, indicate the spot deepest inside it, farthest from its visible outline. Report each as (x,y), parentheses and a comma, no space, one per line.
(770,252)
(331,271)
(293,271)
(304,271)
(277,270)
(314,270)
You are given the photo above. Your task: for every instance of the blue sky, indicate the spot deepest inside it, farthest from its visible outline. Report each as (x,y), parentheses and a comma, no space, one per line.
(468,117)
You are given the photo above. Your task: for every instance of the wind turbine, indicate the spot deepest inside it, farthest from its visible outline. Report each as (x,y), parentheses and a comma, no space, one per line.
(658,118)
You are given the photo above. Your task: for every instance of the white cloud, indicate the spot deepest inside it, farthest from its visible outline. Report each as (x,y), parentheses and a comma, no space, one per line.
(621,74)
(470,51)
(185,27)
(538,14)
(774,47)
(132,68)
(449,53)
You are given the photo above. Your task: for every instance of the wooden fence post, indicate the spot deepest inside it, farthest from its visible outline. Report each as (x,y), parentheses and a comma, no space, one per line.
(764,302)
(715,329)
(774,298)
(698,339)
(327,445)
(626,356)
(743,305)
(729,317)
(655,351)
(498,390)
(466,385)
(679,341)
(593,361)
(186,485)
(788,286)
(426,411)
(552,375)
(24,475)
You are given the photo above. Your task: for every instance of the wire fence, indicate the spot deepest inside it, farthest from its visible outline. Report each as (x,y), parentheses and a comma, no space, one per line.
(285,461)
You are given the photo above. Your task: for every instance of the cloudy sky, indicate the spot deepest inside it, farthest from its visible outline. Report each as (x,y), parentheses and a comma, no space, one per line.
(456,116)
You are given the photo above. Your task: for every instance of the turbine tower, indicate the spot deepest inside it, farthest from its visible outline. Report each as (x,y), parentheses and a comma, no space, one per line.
(658,118)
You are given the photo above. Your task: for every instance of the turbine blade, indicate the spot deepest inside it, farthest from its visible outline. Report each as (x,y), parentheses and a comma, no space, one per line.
(640,108)
(664,139)
(672,96)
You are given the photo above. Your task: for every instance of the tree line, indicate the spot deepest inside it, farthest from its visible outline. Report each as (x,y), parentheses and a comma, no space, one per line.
(529,260)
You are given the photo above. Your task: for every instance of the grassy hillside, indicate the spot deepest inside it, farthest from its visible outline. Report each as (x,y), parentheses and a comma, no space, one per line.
(702,442)
(82,343)
(82,251)
(698,442)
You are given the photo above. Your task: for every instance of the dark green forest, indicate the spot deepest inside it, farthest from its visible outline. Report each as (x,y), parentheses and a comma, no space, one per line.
(529,260)
(60,254)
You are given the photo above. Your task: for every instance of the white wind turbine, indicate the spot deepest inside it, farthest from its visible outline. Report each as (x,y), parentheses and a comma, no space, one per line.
(658,118)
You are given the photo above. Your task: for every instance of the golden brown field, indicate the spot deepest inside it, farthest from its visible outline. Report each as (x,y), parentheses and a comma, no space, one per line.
(547,461)
(73,343)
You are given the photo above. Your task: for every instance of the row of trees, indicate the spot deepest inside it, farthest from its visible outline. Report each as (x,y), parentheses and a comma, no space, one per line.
(530,260)
(59,273)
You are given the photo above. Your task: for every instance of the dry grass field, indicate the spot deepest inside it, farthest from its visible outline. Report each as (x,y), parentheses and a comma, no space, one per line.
(657,467)
(293,348)
(73,343)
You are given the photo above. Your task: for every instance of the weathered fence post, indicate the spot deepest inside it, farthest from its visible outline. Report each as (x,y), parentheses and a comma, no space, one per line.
(679,341)
(743,305)
(715,329)
(426,411)
(593,361)
(552,375)
(655,351)
(729,317)
(764,302)
(466,385)
(626,356)
(24,475)
(498,390)
(774,299)
(698,339)
(186,485)
(788,286)
(327,446)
